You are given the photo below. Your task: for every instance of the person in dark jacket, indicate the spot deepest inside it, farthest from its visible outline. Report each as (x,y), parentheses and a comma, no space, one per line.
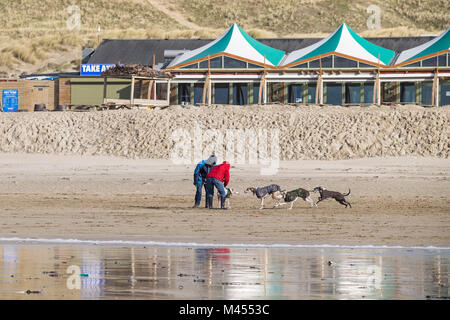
(218,177)
(201,171)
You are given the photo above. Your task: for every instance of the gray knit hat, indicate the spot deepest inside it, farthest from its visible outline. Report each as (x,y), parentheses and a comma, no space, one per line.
(211,160)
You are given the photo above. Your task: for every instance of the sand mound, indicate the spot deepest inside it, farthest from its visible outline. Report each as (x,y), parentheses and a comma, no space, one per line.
(305,132)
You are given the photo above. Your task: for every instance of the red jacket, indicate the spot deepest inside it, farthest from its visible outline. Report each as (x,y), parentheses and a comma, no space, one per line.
(221,172)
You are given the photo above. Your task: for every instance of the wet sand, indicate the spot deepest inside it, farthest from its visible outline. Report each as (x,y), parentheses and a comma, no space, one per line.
(396,201)
(53,272)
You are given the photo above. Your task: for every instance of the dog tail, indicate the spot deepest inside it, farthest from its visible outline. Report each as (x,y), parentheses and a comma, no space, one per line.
(348,192)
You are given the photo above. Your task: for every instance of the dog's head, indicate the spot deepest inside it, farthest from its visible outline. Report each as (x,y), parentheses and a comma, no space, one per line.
(250,189)
(283,193)
(318,189)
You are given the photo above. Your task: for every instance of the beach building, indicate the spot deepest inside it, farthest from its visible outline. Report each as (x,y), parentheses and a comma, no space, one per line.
(340,69)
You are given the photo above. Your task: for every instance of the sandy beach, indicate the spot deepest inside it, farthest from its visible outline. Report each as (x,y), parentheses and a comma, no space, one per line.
(403,201)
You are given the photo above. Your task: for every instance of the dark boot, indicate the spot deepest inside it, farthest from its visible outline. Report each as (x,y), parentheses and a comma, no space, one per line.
(222,203)
(210,204)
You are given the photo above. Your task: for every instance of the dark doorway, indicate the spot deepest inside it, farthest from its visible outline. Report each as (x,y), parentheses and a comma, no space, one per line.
(240,94)
(445,95)
(184,93)
(295,93)
(352,93)
(407,92)
(368,92)
(334,93)
(312,93)
(256,93)
(198,93)
(426,94)
(221,93)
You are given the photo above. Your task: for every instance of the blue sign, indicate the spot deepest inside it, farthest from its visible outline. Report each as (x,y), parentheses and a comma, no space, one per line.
(94,69)
(10,100)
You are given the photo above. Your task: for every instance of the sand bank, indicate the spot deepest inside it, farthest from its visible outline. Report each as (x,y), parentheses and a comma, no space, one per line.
(305,132)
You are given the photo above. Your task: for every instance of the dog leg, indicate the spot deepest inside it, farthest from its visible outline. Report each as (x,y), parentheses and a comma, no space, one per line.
(308,199)
(292,204)
(262,204)
(342,202)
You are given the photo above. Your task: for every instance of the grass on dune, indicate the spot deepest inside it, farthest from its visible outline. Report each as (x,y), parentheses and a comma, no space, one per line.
(32,32)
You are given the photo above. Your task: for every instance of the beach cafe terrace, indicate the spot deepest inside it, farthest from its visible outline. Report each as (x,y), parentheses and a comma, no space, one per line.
(341,69)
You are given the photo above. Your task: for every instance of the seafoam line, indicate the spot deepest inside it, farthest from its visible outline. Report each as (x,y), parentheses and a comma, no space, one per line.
(205,245)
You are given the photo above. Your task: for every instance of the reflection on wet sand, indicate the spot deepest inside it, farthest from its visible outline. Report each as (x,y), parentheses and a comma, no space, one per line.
(40,272)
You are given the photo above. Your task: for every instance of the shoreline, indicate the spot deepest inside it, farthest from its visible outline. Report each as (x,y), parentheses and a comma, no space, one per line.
(155,244)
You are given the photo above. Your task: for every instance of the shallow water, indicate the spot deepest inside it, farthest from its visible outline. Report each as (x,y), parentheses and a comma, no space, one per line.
(164,272)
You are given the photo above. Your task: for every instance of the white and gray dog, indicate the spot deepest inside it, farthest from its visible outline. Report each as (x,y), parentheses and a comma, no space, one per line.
(230,192)
(261,193)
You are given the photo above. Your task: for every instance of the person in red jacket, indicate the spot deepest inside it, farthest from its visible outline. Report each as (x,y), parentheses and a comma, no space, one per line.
(218,177)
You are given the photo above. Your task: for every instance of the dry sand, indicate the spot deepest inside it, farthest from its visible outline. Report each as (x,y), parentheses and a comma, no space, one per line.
(305,132)
(396,201)
(87,175)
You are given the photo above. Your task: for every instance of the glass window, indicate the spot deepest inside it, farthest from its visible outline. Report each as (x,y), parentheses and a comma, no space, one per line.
(334,93)
(240,94)
(198,93)
(445,94)
(312,93)
(184,93)
(254,66)
(407,92)
(352,93)
(412,65)
(295,93)
(340,62)
(256,93)
(327,62)
(368,92)
(221,93)
(230,63)
(432,61)
(365,65)
(314,64)
(301,66)
(191,66)
(215,63)
(426,93)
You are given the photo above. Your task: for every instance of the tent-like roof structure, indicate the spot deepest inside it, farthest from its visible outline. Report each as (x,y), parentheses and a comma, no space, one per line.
(344,42)
(430,48)
(234,43)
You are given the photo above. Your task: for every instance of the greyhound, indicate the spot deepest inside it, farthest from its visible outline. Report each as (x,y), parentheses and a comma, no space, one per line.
(293,195)
(273,190)
(339,197)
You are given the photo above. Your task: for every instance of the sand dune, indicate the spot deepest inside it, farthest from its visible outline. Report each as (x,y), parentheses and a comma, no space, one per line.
(305,132)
